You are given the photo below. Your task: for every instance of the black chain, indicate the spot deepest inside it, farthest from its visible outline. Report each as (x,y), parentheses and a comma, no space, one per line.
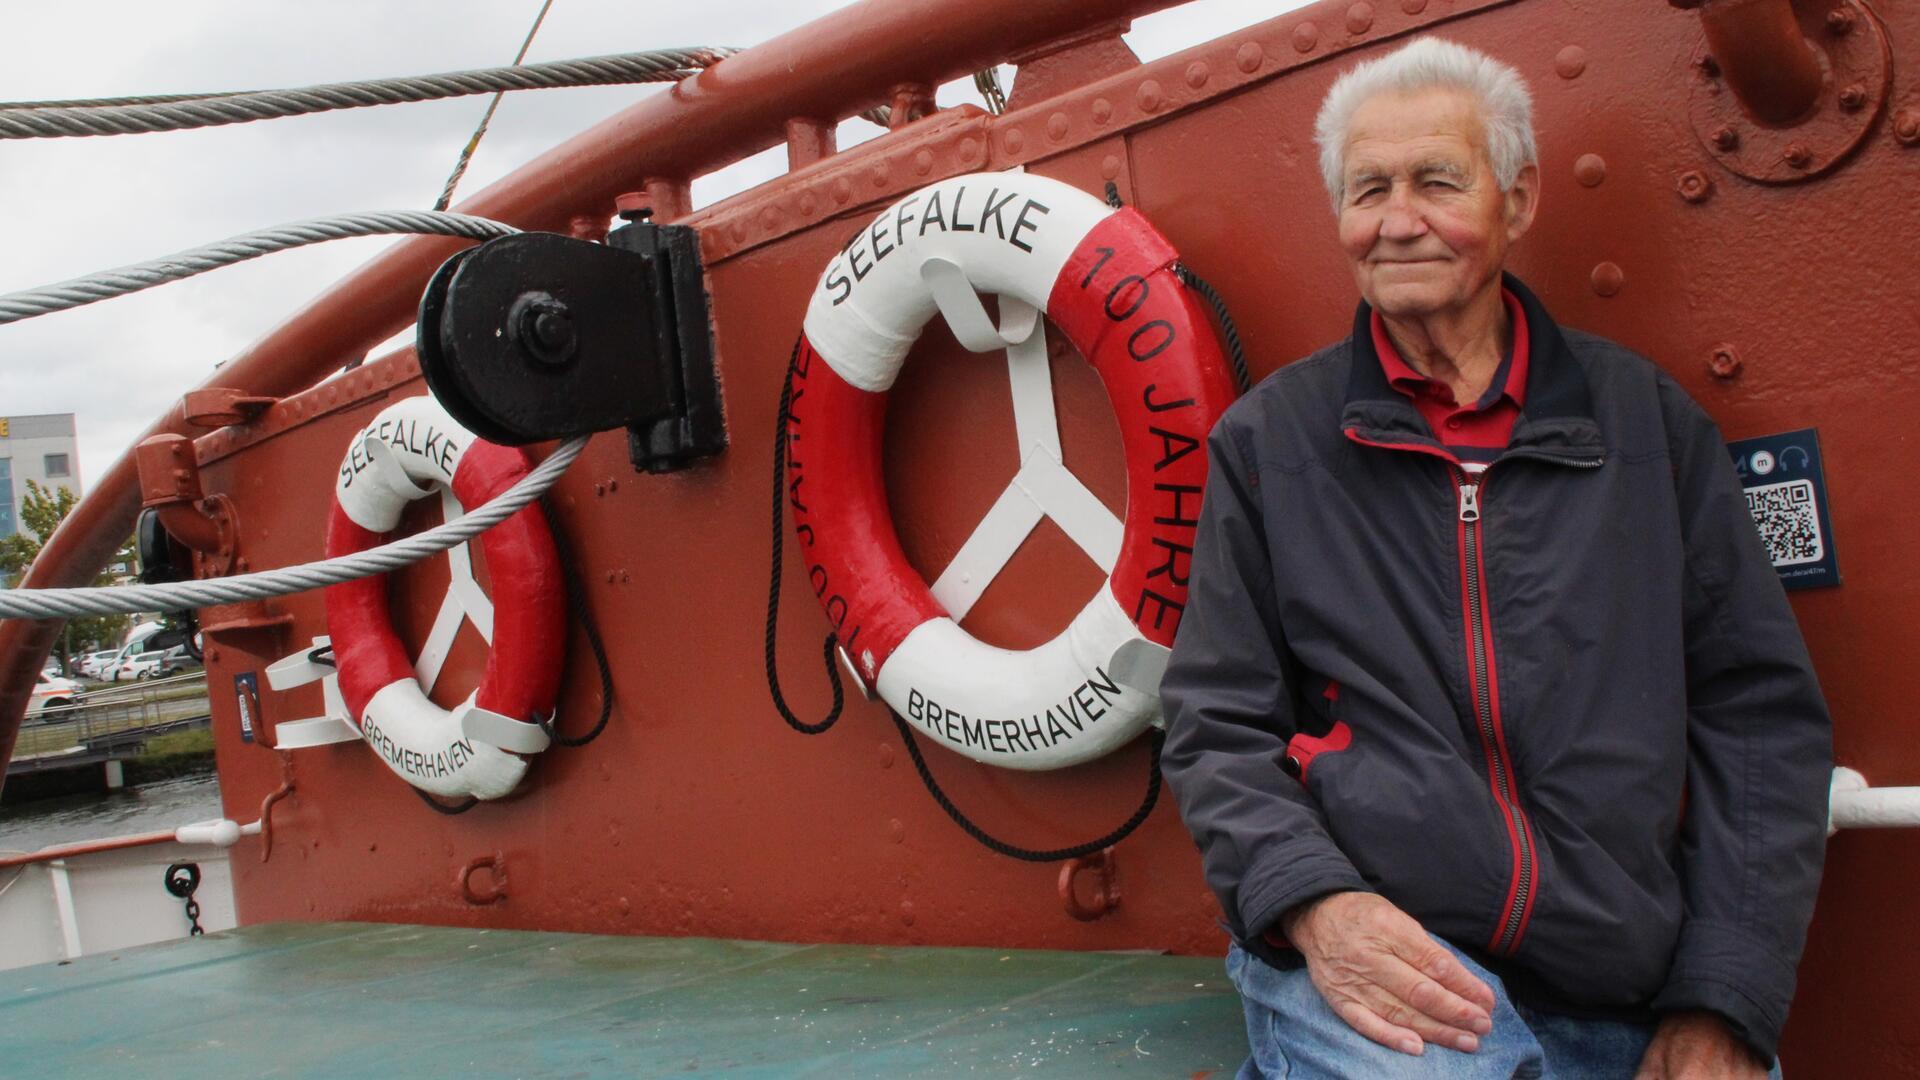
(577,601)
(1028,854)
(183,879)
(773,587)
(1234,351)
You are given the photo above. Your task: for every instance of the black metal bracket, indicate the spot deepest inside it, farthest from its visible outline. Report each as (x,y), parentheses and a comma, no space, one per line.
(539,336)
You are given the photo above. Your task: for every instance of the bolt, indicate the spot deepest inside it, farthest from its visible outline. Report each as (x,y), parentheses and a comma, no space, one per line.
(1840,22)
(1695,186)
(1723,362)
(633,205)
(1854,97)
(1906,127)
(543,328)
(1707,65)
(1798,156)
(1726,139)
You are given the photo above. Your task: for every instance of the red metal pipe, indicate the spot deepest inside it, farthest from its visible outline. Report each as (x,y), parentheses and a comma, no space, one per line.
(1768,64)
(86,847)
(835,66)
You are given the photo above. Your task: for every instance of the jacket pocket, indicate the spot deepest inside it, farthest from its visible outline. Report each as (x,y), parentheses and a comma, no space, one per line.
(1302,748)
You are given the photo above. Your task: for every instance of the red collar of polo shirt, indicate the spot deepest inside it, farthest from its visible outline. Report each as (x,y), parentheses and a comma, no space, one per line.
(1415,385)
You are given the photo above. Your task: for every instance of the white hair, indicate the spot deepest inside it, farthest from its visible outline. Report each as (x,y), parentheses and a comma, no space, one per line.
(1431,63)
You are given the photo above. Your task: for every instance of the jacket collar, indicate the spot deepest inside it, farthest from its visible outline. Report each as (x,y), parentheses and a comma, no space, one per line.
(1556,422)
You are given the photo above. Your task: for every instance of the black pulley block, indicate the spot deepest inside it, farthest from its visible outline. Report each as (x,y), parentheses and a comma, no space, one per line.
(162,558)
(538,336)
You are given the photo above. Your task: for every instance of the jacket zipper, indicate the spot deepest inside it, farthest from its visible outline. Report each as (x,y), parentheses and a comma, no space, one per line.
(1506,937)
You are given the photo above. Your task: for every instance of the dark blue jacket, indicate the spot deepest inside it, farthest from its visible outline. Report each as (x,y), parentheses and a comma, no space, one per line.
(1561,714)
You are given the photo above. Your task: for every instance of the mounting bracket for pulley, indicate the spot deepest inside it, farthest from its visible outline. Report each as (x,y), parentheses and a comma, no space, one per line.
(540,336)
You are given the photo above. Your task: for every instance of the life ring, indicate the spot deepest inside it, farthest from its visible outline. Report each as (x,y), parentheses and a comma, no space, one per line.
(413,448)
(1105,277)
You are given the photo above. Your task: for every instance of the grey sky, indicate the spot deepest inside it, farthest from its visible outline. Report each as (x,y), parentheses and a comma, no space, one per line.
(70,206)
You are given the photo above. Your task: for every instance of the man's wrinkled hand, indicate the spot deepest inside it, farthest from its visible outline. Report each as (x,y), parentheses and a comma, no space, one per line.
(1698,1046)
(1380,972)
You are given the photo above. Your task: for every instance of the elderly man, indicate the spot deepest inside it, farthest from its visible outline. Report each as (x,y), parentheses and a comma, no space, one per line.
(1489,715)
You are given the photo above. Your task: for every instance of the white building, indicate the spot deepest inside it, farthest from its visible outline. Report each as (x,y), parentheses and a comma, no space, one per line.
(38,448)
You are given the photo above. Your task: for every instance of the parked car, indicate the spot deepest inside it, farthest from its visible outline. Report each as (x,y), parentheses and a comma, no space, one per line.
(153,665)
(51,692)
(92,664)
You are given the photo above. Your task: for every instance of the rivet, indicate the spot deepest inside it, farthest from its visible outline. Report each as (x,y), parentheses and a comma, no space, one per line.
(213,655)
(841,189)
(1706,65)
(1057,126)
(1695,186)
(1853,97)
(1590,170)
(1102,110)
(969,149)
(1148,96)
(806,204)
(613,485)
(1197,73)
(1797,156)
(1360,18)
(906,912)
(1608,278)
(1248,56)
(770,217)
(1110,167)
(896,830)
(625,577)
(610,577)
(1726,138)
(1413,7)
(882,172)
(1570,62)
(738,232)
(923,162)
(886,755)
(626,906)
(1840,22)
(599,489)
(1305,37)
(1014,141)
(1723,362)
(1906,127)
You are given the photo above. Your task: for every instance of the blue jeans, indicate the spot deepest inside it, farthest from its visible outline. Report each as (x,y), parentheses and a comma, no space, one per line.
(1294,1035)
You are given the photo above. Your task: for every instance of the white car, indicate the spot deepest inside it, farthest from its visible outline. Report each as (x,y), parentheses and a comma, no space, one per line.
(51,692)
(91,665)
(137,666)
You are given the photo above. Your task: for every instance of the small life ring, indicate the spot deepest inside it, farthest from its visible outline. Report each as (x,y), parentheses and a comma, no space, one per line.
(413,448)
(1106,279)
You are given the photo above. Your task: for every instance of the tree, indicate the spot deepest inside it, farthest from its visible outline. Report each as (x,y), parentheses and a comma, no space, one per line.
(42,511)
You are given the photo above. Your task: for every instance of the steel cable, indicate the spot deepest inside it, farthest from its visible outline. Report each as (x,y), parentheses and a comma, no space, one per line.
(179,595)
(172,112)
(106,284)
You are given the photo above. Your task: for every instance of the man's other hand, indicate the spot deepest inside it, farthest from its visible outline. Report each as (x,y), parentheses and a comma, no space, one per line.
(1381,973)
(1698,1046)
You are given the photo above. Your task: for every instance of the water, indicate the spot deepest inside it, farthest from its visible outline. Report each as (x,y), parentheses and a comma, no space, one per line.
(163,804)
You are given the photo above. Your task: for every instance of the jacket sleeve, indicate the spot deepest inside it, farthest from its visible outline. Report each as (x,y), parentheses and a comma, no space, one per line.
(1262,838)
(1760,755)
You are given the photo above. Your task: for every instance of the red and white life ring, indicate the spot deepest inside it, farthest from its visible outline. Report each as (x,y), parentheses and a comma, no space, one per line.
(1105,277)
(411,449)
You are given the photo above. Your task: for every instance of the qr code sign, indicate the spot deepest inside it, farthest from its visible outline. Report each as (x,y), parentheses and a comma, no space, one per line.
(1788,520)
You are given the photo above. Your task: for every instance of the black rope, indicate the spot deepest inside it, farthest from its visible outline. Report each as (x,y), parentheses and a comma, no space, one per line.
(773,588)
(577,602)
(448,809)
(1028,854)
(1235,352)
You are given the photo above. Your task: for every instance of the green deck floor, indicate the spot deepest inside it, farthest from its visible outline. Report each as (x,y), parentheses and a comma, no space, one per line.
(343,1000)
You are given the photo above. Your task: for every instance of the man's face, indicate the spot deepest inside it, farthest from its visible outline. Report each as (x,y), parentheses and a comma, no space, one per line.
(1422,216)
